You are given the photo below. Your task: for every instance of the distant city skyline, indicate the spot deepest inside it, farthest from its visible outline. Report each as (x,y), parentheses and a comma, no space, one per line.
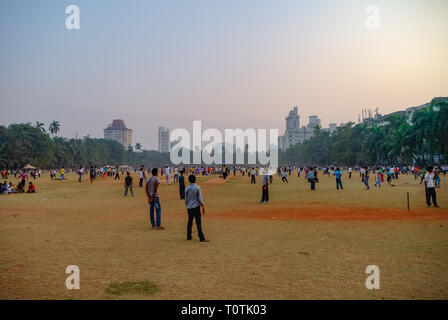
(231,64)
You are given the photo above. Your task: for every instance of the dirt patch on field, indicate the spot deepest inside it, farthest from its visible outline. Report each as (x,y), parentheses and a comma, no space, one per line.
(323,212)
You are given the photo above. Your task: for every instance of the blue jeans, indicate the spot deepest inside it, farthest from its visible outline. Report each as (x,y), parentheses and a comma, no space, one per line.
(378,182)
(437,182)
(339,183)
(366,182)
(155,203)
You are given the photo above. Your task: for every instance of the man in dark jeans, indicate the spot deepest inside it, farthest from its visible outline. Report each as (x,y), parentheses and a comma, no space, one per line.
(128,185)
(182,185)
(194,202)
(265,189)
(430,187)
(151,188)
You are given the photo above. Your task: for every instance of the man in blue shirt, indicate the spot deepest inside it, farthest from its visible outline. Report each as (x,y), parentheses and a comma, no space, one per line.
(194,202)
(338,175)
(181,180)
(312,179)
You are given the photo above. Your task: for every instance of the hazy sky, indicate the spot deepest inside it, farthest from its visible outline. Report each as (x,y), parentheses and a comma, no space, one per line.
(231,64)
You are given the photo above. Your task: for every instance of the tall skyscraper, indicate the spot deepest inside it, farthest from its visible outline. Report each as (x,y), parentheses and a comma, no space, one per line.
(164,139)
(294,133)
(117,131)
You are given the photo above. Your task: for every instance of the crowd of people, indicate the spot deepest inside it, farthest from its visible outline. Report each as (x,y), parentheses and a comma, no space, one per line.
(8,188)
(192,195)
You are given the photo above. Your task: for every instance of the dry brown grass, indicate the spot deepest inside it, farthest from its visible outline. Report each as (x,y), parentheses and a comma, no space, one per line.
(250,256)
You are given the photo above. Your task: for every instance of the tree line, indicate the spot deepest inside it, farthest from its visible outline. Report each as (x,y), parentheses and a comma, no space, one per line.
(25,143)
(396,139)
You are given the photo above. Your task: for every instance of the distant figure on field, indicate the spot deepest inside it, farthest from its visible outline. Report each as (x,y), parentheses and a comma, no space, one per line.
(128,185)
(31,188)
(182,185)
(265,189)
(194,202)
(338,175)
(152,185)
(430,187)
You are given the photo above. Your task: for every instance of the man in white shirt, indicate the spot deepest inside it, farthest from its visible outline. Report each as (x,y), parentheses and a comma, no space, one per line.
(430,188)
(167,172)
(176,174)
(141,174)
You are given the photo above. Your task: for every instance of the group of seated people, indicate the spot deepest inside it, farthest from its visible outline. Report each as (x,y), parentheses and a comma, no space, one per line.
(8,188)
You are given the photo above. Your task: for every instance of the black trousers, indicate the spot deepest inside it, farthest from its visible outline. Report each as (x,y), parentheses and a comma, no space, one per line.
(252,179)
(431,193)
(182,191)
(195,213)
(265,194)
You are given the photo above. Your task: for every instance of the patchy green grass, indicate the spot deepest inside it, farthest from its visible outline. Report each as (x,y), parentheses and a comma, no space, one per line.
(144,287)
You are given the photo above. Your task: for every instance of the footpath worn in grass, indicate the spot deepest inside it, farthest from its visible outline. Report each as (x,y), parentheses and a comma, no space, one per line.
(302,245)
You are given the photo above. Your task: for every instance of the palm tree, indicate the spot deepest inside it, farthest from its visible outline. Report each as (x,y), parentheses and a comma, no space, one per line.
(138,146)
(40,125)
(54,128)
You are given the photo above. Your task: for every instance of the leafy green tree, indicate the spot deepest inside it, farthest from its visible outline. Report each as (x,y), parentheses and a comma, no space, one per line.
(54,128)
(40,125)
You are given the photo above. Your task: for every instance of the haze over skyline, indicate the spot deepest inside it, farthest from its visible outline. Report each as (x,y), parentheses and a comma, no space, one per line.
(231,64)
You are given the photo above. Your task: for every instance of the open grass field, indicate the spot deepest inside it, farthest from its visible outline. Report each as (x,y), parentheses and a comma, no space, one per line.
(302,245)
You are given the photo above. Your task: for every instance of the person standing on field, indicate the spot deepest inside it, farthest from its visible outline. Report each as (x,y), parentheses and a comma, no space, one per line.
(252,176)
(430,188)
(182,185)
(167,172)
(92,173)
(141,174)
(128,185)
(194,202)
(152,185)
(265,189)
(338,175)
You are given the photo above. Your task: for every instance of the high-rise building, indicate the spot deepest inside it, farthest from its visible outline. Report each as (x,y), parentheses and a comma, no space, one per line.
(294,133)
(117,131)
(314,122)
(164,139)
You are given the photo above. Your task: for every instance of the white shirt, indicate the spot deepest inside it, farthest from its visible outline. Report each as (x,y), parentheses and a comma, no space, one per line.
(429,179)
